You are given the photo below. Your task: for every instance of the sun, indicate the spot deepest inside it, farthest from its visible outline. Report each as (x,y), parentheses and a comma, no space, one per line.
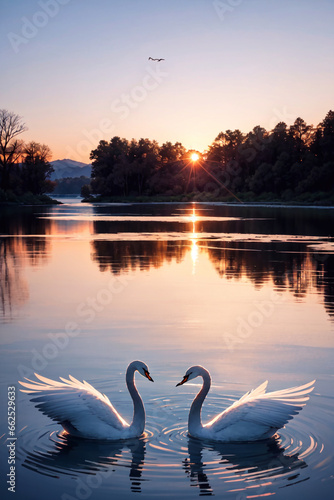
(194,157)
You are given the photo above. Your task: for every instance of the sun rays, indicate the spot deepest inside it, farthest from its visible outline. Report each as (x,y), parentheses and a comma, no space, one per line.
(194,160)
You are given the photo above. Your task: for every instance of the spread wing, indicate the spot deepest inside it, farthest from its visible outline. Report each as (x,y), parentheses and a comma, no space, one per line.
(77,404)
(271,409)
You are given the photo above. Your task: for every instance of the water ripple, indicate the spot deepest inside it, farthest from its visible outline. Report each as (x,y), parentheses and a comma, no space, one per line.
(245,470)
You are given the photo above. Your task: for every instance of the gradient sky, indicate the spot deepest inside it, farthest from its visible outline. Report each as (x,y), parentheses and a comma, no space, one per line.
(77,71)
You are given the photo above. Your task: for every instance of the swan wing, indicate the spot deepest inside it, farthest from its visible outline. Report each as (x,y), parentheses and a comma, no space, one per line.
(73,402)
(272,410)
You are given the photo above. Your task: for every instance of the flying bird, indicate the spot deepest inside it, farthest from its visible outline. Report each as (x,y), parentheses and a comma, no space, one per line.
(83,411)
(158,60)
(256,415)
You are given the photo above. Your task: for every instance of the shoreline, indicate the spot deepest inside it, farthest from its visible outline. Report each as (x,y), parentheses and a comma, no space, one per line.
(44,200)
(28,200)
(326,203)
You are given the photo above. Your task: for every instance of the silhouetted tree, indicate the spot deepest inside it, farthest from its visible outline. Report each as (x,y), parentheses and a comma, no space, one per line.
(168,175)
(226,146)
(36,169)
(170,153)
(105,157)
(301,133)
(283,163)
(11,125)
(143,156)
(86,191)
(327,136)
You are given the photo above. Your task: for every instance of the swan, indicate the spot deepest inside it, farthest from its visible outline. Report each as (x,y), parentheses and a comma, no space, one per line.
(256,415)
(83,411)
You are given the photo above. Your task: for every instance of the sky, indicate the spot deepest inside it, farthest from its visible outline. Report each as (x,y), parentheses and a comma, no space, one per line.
(77,71)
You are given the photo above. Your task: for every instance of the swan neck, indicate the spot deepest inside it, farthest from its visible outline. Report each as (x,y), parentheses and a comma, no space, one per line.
(138,420)
(194,420)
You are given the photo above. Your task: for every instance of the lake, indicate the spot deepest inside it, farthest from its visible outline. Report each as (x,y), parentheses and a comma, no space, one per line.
(245,291)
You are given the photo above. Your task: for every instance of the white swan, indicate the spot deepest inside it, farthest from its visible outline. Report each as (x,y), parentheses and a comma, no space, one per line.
(83,411)
(257,415)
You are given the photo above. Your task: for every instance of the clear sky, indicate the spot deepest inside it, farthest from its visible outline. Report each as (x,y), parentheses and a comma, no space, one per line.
(77,71)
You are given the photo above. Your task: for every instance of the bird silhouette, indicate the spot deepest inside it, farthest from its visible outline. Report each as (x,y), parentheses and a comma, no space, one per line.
(158,60)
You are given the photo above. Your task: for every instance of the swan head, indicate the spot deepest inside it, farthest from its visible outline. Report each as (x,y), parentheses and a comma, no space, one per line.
(142,368)
(191,373)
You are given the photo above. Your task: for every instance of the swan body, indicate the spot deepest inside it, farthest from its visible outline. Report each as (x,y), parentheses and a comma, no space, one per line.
(256,415)
(83,411)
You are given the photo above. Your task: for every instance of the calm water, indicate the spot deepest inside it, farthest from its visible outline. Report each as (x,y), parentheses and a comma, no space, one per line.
(247,292)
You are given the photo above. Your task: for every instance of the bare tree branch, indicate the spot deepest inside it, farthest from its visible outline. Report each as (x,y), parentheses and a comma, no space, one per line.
(11,125)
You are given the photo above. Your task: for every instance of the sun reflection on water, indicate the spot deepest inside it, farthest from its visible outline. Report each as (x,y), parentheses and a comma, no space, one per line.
(194,240)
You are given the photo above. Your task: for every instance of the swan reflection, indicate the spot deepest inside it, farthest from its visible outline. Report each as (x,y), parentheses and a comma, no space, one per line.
(244,465)
(82,459)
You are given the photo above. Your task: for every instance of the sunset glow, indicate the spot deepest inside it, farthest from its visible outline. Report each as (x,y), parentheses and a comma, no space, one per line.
(194,157)
(189,96)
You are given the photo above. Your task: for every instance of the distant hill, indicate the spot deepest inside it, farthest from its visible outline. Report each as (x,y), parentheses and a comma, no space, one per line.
(69,168)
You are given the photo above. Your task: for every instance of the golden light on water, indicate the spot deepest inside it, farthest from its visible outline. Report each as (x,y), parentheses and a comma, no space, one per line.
(194,251)
(194,218)
(194,239)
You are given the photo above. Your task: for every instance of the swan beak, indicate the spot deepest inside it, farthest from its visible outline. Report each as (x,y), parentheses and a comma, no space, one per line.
(183,381)
(147,375)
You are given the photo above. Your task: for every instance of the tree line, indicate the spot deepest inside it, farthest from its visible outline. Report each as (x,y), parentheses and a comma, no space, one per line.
(70,185)
(293,162)
(24,167)
(287,162)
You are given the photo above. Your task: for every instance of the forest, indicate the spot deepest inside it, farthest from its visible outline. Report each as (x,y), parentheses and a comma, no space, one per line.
(288,163)
(70,185)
